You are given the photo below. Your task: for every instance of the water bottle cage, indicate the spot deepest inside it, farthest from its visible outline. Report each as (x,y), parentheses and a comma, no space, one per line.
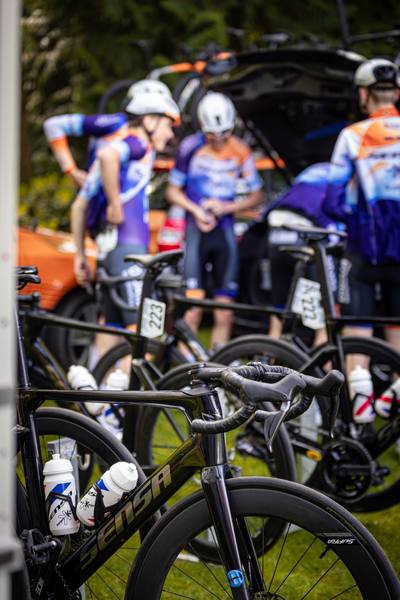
(100,511)
(56,496)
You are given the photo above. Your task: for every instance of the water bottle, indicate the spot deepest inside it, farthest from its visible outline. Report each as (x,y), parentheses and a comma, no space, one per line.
(383,404)
(58,479)
(119,479)
(79,378)
(361,392)
(116,381)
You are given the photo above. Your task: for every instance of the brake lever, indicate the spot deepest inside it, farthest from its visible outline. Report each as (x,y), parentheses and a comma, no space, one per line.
(272,423)
(332,414)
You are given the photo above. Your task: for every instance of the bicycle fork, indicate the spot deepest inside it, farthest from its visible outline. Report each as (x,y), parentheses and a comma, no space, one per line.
(234,539)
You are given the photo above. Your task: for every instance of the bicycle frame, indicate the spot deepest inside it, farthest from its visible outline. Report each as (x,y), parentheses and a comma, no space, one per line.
(198,452)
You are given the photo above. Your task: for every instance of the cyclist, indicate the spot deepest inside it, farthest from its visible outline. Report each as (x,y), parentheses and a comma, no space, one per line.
(202,182)
(114,192)
(367,155)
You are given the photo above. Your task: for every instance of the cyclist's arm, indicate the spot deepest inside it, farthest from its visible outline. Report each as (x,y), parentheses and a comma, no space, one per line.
(78,228)
(220,209)
(56,130)
(109,160)
(176,195)
(335,203)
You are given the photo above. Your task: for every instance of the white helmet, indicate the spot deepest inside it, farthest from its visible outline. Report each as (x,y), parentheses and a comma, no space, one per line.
(376,70)
(148,86)
(216,114)
(154,103)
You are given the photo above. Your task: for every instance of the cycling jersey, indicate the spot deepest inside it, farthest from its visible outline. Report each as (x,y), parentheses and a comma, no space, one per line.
(207,173)
(136,163)
(136,158)
(367,154)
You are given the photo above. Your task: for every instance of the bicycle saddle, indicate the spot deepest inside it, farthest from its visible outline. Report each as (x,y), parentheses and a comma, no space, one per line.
(162,258)
(314,233)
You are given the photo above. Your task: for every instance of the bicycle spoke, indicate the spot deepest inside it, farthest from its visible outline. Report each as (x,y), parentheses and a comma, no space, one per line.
(320,579)
(279,557)
(297,563)
(200,584)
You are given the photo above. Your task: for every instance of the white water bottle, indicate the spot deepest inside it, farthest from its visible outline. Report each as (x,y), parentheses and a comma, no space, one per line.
(58,479)
(79,378)
(383,404)
(116,381)
(120,478)
(361,392)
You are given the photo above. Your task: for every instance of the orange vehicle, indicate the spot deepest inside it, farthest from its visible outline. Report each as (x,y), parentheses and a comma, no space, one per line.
(52,252)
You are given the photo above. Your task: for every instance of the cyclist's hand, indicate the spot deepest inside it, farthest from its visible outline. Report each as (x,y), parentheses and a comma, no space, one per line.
(217,207)
(114,214)
(77,177)
(82,270)
(205,220)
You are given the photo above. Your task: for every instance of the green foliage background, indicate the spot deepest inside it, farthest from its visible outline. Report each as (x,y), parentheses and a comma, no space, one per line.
(73,51)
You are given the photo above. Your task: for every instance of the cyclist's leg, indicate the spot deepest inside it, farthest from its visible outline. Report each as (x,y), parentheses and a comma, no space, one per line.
(225,259)
(356,296)
(391,300)
(328,554)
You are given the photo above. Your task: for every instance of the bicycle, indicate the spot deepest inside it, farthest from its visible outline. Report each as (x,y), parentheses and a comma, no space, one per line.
(243,518)
(247,448)
(370,485)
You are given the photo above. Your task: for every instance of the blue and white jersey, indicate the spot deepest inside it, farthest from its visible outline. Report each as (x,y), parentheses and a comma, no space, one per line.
(204,172)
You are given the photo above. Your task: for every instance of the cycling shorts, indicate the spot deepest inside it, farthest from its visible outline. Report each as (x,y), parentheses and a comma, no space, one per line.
(219,248)
(357,281)
(130,291)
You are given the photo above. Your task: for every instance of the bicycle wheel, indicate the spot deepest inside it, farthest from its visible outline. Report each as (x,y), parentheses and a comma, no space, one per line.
(314,424)
(161,431)
(324,553)
(109,362)
(384,367)
(90,439)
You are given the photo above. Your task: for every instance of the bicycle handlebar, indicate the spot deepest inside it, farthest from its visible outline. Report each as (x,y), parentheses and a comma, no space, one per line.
(250,382)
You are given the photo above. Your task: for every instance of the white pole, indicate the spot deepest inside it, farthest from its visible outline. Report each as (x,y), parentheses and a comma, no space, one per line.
(10,550)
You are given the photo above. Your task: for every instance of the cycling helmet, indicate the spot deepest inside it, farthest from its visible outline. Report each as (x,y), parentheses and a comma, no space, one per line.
(376,70)
(148,86)
(154,103)
(216,114)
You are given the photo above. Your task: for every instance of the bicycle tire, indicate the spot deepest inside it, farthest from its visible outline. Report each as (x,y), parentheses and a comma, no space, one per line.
(354,557)
(172,358)
(20,588)
(86,433)
(158,438)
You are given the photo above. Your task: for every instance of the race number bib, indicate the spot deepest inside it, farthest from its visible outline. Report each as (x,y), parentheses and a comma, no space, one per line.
(307,303)
(153,318)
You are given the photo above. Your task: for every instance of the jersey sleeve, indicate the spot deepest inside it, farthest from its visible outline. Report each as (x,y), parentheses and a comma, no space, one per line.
(341,171)
(187,148)
(131,148)
(249,172)
(56,130)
